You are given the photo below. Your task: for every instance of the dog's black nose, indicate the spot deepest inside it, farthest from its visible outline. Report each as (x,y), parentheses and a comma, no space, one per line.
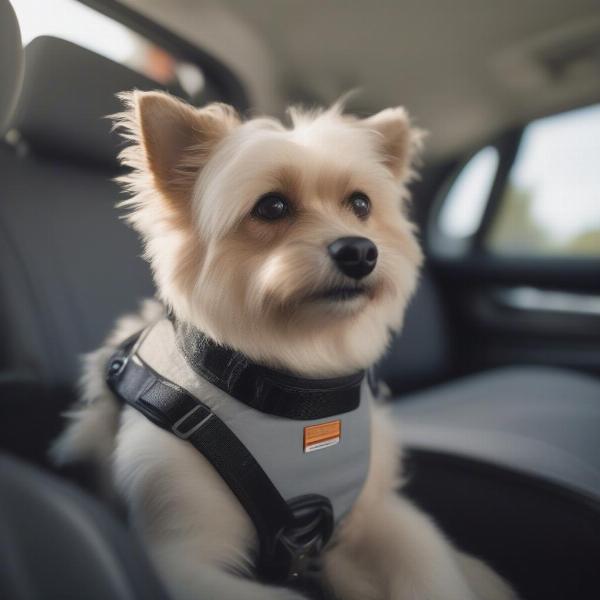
(354,256)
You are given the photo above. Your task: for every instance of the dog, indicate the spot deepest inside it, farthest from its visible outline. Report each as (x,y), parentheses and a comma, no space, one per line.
(291,245)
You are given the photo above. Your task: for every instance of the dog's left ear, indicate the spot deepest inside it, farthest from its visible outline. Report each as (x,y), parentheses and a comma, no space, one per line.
(399,142)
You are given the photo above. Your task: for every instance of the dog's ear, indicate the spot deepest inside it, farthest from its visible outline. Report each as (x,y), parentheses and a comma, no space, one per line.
(174,138)
(399,142)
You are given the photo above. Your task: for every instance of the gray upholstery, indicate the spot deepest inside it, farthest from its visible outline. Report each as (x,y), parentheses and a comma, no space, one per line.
(11,63)
(542,537)
(421,353)
(68,265)
(67,93)
(541,421)
(56,543)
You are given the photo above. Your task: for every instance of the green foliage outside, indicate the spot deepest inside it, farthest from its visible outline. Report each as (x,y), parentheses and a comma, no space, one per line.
(516,232)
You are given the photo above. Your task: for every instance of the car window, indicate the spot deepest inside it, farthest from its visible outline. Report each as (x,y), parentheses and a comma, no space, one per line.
(77,23)
(551,202)
(461,204)
(462,210)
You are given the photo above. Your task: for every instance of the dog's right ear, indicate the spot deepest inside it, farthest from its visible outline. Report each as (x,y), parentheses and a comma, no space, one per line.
(172,140)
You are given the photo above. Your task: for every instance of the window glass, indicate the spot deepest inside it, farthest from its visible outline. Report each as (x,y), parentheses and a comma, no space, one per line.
(463,206)
(551,203)
(77,23)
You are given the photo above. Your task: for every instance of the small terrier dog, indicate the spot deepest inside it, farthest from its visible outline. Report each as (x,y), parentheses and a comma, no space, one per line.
(290,245)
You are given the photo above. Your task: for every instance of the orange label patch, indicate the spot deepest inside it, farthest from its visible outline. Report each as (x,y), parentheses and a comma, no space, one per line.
(317,437)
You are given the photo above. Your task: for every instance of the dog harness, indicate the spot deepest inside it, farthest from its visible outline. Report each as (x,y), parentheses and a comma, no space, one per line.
(294,451)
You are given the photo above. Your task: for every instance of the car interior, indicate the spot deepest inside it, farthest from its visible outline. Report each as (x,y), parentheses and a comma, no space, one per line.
(494,381)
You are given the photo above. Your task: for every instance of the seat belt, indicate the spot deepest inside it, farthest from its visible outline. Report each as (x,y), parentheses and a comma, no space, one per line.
(291,533)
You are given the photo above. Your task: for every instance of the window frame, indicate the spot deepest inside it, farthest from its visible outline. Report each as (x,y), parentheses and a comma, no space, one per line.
(228,86)
(507,146)
(577,273)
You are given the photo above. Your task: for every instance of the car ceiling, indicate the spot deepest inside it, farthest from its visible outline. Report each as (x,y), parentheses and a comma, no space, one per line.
(466,69)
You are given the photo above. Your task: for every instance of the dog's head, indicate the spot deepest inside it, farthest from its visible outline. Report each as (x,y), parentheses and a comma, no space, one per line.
(289,244)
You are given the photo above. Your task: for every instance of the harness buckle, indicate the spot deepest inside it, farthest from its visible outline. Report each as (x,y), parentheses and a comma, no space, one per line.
(297,547)
(184,434)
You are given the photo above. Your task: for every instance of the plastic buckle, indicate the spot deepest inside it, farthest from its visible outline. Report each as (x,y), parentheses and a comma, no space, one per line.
(118,361)
(184,435)
(297,547)
(116,365)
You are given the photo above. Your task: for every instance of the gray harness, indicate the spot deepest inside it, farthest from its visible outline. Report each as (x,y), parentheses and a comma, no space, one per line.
(294,451)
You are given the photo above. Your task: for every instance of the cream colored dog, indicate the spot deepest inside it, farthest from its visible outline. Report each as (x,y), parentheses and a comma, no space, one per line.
(236,218)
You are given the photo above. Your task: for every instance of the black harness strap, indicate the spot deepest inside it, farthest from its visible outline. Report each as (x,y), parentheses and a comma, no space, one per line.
(264,389)
(291,533)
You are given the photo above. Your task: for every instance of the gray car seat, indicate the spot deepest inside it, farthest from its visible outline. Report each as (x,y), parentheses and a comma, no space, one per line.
(55,542)
(508,462)
(68,264)
(58,543)
(11,64)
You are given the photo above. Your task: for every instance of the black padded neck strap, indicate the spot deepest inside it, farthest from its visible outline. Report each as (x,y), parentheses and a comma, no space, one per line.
(264,389)
(283,533)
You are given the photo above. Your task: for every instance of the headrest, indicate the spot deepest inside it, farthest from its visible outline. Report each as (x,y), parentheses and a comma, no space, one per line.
(67,93)
(11,63)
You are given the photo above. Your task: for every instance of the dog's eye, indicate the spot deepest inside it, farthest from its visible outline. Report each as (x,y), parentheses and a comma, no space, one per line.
(271,207)
(360,204)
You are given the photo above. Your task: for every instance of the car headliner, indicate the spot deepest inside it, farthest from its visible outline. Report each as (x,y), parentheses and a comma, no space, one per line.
(466,69)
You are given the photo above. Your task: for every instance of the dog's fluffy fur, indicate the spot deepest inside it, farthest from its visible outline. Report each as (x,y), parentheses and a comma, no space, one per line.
(195,176)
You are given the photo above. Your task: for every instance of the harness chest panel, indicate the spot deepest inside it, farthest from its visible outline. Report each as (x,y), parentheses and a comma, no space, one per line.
(336,463)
